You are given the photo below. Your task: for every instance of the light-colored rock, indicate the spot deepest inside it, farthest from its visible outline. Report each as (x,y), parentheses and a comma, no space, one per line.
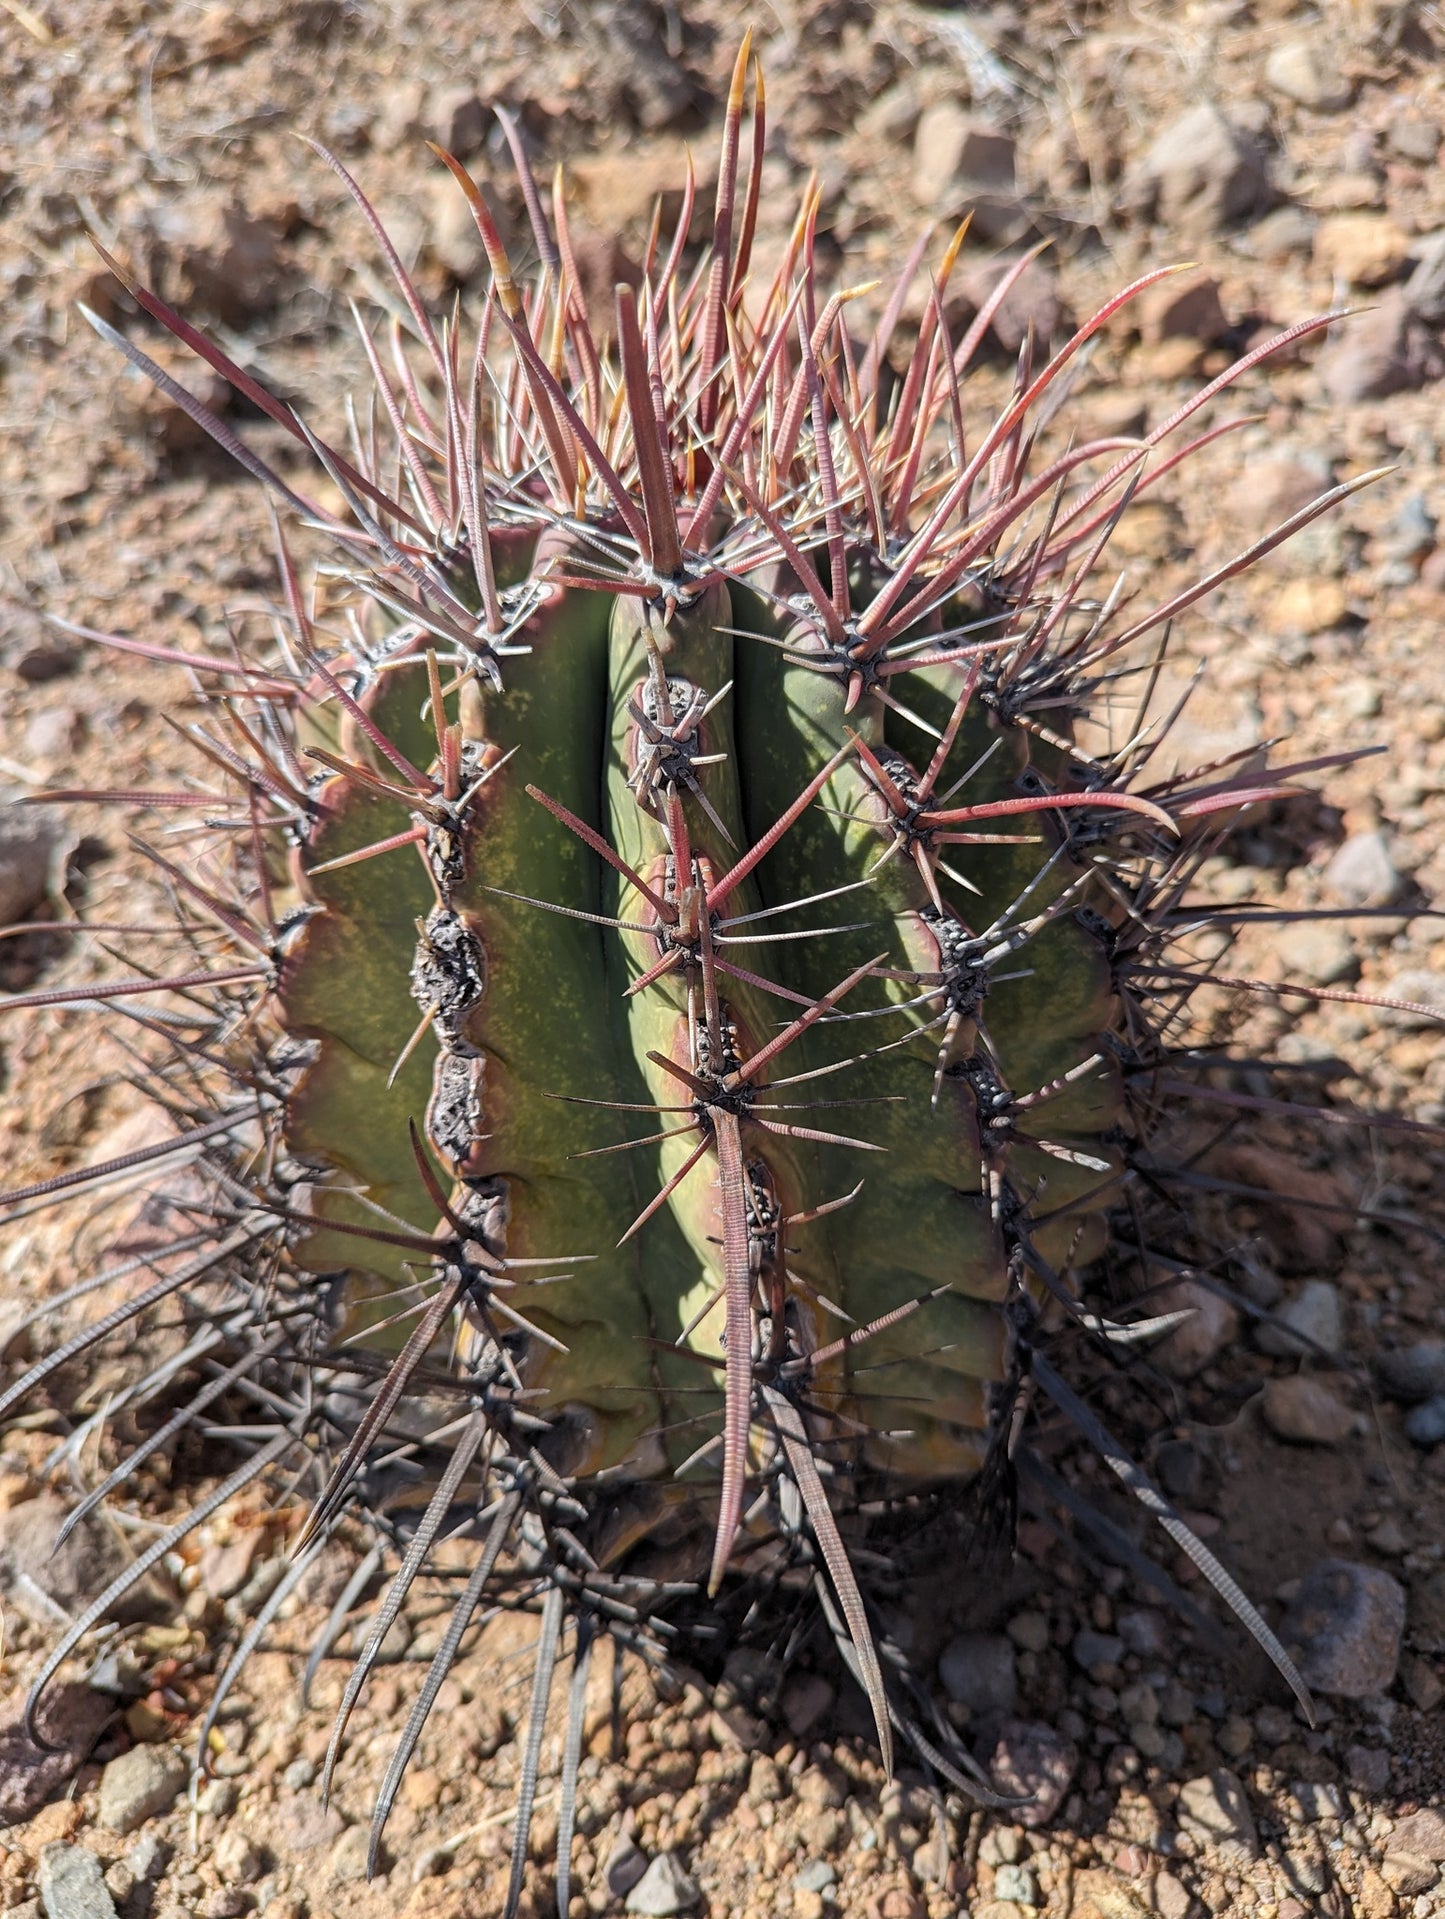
(1425,288)
(35,842)
(1302,1408)
(72,1884)
(1365,249)
(1034,1763)
(956,153)
(1343,1629)
(1421,1833)
(139,1784)
(663,1889)
(1201,173)
(1361,873)
(347,1859)
(1215,1812)
(1308,606)
(1212,1325)
(1317,953)
(1311,1322)
(1306,72)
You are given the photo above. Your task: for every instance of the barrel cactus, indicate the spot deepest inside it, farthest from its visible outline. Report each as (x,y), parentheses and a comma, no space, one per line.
(676,957)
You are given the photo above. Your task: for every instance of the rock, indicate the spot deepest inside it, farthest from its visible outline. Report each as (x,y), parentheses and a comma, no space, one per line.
(1029,1630)
(1423,1685)
(1214,1811)
(72,1884)
(38,1578)
(452,239)
(1409,1875)
(806,1702)
(35,842)
(229,259)
(663,1889)
(1092,1649)
(1303,71)
(621,189)
(1422,989)
(1425,1426)
(977,1671)
(1422,1834)
(1017,1883)
(69,1720)
(1272,489)
(1032,301)
(1200,174)
(1309,1322)
(237,1858)
(1284,235)
(457,120)
(626,1863)
(347,1860)
(1361,872)
(1185,306)
(1308,606)
(1317,953)
(1425,288)
(654,86)
(1032,1762)
(1303,1409)
(1366,249)
(1343,1627)
(1368,1768)
(1316,1800)
(1386,349)
(961,162)
(1172,1898)
(815,1876)
(1143,1631)
(1417,140)
(142,1782)
(1212,1325)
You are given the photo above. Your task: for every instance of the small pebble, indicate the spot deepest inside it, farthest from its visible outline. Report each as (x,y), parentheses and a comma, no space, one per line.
(1092,1649)
(142,1782)
(1303,1409)
(1313,1316)
(1035,1763)
(663,1889)
(1016,1883)
(1362,873)
(1343,1627)
(1412,1372)
(1368,1768)
(816,1876)
(626,1863)
(72,1884)
(1215,1811)
(1425,1426)
(1029,1631)
(977,1671)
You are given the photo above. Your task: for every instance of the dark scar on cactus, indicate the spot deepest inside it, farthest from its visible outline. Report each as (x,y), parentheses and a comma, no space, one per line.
(514,1212)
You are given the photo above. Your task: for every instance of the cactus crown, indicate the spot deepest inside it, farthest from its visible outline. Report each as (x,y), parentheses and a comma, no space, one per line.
(695,995)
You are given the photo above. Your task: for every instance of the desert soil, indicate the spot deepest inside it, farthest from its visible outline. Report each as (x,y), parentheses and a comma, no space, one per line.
(1292,153)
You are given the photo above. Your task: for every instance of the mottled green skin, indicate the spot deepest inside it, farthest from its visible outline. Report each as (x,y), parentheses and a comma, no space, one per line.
(553,1021)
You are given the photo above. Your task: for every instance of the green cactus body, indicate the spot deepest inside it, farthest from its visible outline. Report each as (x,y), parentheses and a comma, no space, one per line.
(701,1044)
